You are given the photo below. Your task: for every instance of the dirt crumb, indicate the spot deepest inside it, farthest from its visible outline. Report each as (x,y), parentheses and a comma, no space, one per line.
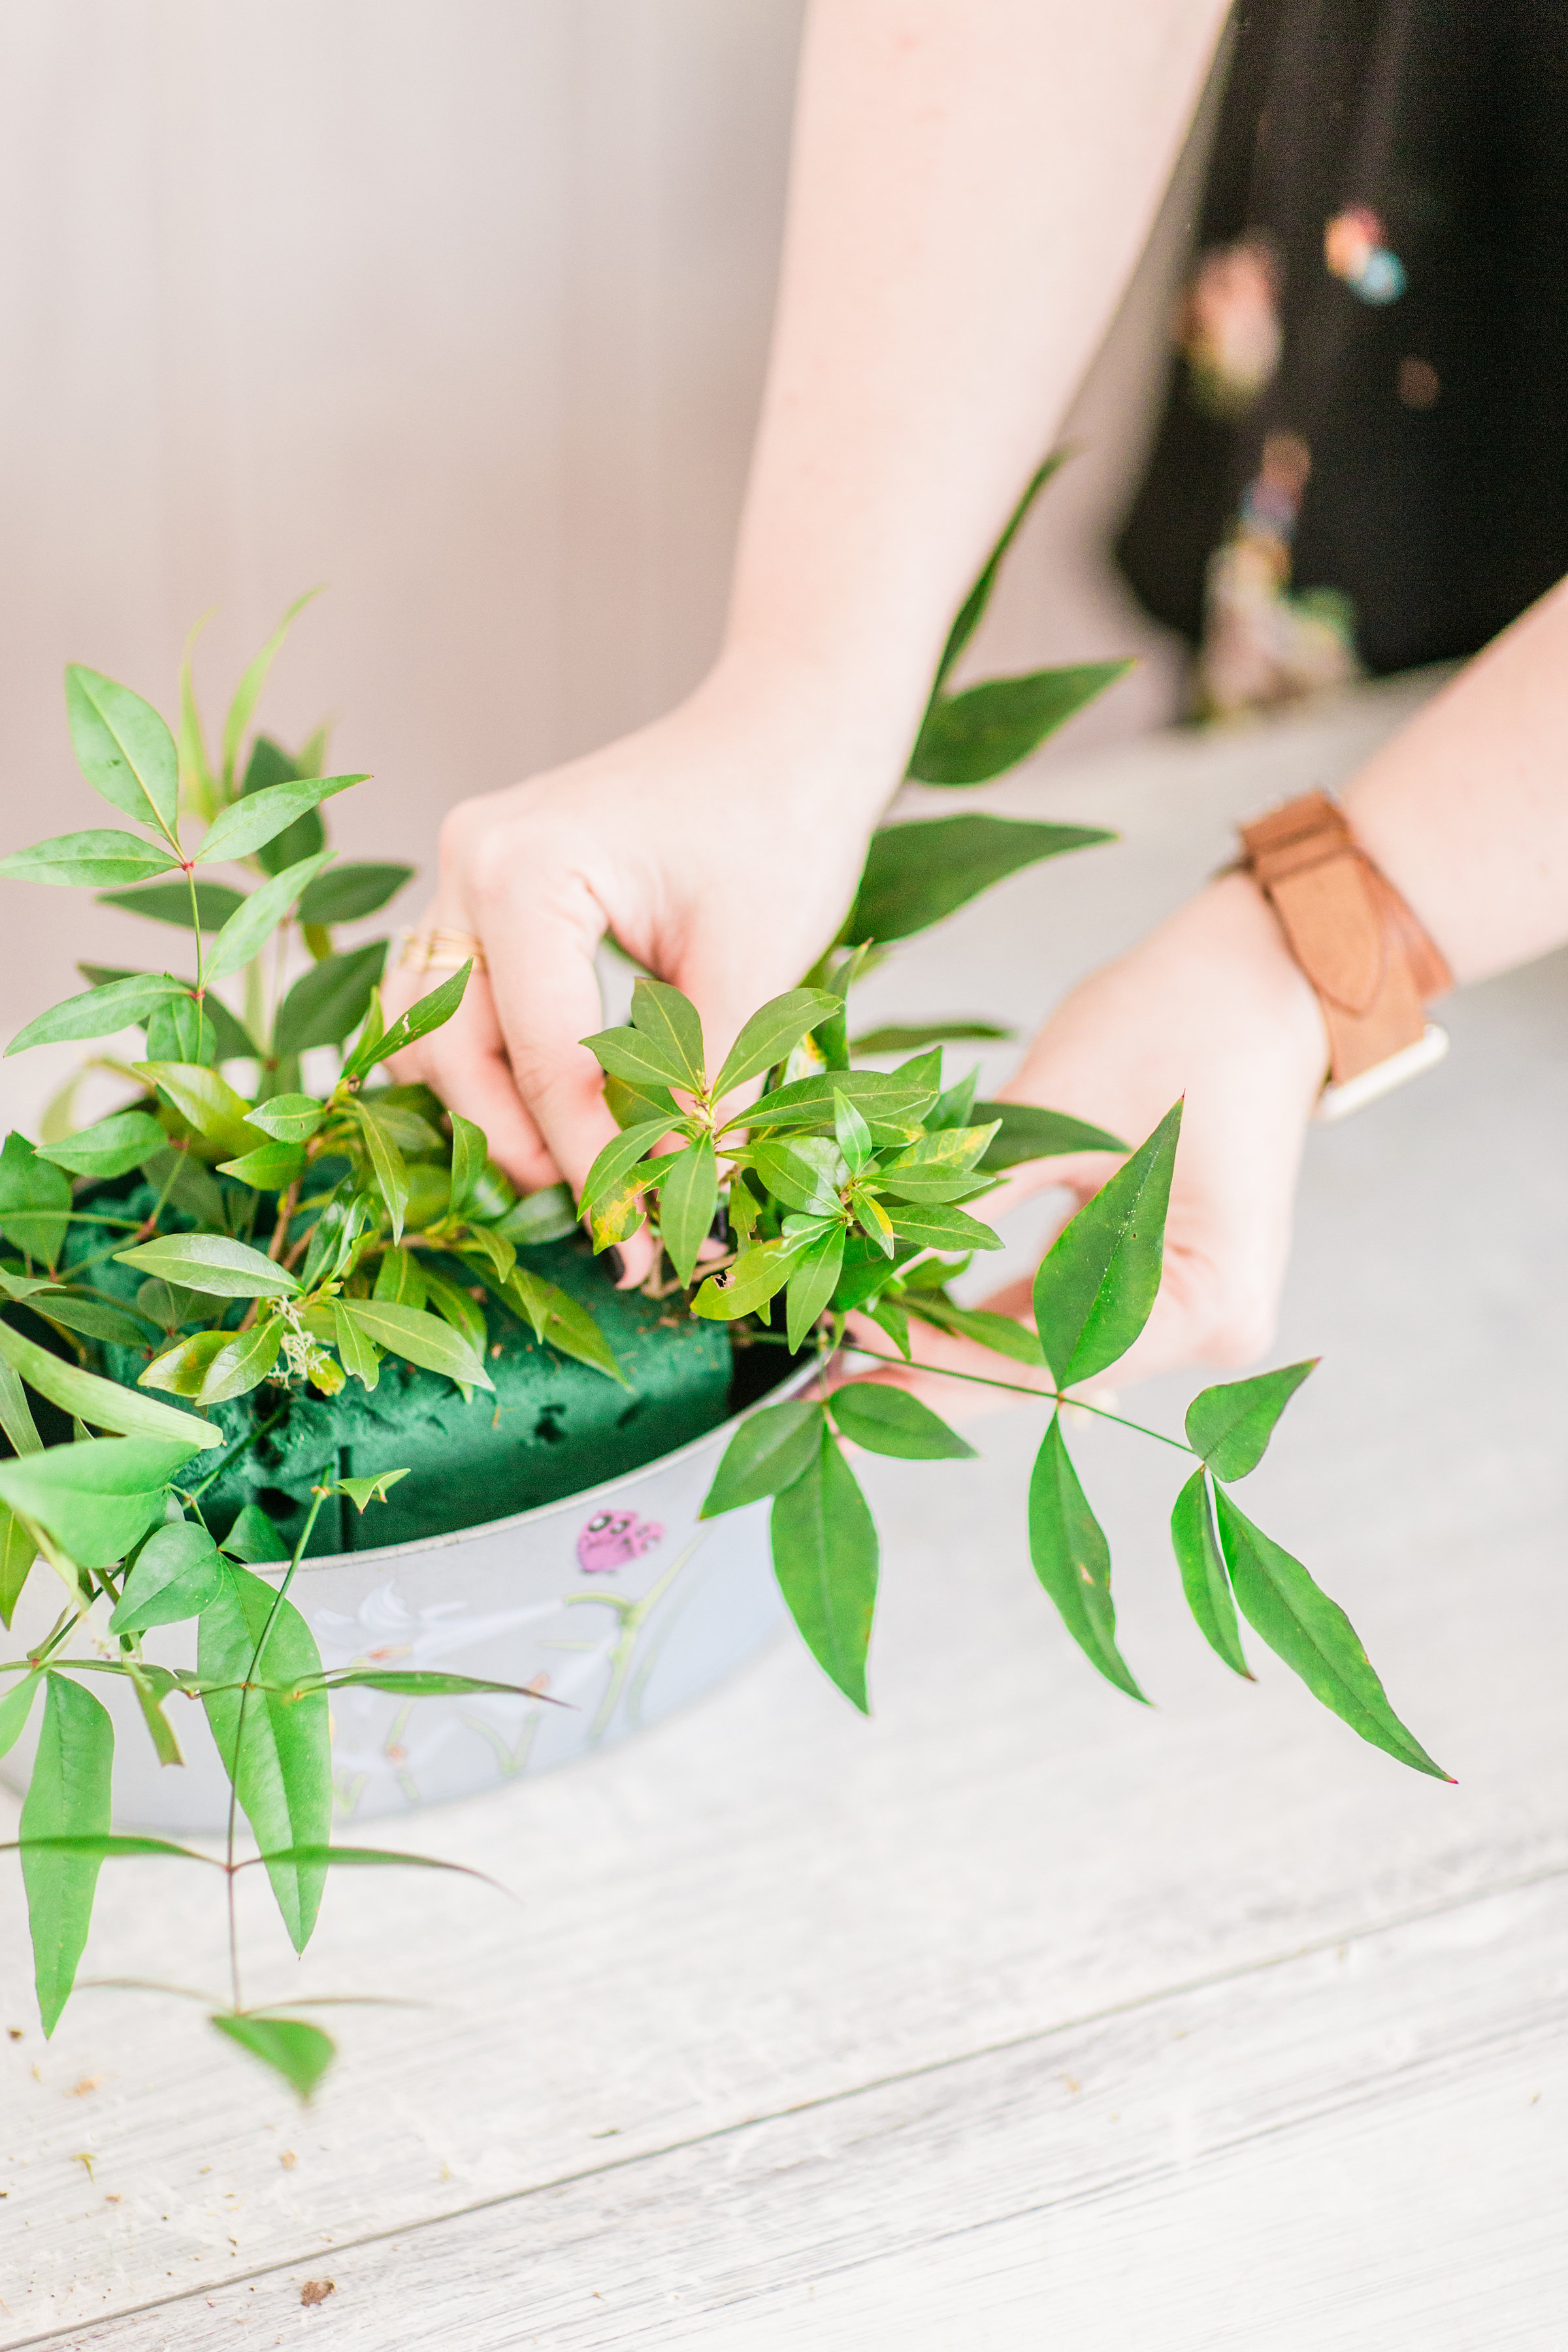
(317,2290)
(288,2160)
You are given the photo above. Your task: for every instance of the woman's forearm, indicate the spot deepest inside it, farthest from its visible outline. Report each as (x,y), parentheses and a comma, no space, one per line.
(1466,809)
(972,184)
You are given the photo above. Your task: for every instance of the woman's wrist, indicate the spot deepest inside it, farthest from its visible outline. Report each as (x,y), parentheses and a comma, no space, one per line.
(845,734)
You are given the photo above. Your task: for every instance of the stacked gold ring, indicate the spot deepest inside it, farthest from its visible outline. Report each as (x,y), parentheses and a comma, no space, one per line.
(437,948)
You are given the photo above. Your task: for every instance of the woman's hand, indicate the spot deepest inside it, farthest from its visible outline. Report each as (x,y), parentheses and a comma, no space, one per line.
(1211,1007)
(721,847)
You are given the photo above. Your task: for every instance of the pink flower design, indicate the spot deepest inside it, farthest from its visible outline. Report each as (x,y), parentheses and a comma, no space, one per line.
(612,1538)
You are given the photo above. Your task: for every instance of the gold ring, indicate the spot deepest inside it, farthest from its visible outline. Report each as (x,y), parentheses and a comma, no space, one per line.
(440,949)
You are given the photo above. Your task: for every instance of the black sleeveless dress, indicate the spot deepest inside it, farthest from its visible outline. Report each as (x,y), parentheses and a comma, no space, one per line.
(1362,461)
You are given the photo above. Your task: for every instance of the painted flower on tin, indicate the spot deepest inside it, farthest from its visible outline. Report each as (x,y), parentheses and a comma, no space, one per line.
(612,1538)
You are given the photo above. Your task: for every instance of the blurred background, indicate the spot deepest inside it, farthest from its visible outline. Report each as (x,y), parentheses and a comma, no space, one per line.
(463,310)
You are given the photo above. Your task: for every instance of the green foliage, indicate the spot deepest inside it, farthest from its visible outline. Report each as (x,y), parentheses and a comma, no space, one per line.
(1202,1571)
(121,1004)
(177,1573)
(1096,1282)
(108,1147)
(769,1450)
(68,1797)
(90,857)
(1072,1559)
(889,1420)
(967,738)
(189,906)
(124,750)
(349,893)
(35,1201)
(299,2051)
(331,998)
(916,874)
(212,1263)
(825,1559)
(1026,1132)
(1230,1426)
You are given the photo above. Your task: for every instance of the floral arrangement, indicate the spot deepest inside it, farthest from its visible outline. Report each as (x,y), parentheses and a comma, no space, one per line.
(846,1192)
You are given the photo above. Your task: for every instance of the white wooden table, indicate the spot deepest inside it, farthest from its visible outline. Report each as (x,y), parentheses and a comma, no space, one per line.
(1020,2017)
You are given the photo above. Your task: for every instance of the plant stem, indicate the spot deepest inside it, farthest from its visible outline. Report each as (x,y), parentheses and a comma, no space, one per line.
(1016,1388)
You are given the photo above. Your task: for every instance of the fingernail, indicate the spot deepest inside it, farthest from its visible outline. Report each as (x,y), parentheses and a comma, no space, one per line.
(616,1264)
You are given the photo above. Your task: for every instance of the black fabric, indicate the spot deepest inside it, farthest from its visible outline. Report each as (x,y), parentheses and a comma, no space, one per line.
(1449,119)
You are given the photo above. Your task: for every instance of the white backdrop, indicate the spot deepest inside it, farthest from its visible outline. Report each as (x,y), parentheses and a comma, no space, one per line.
(461,308)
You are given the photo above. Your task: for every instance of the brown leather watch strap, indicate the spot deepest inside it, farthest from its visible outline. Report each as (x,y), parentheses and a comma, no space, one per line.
(1366,955)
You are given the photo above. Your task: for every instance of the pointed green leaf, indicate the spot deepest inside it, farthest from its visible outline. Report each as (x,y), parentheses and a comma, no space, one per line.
(928,1033)
(177,1572)
(743,1288)
(967,738)
(629,1105)
(916,874)
(771,1034)
(430,1012)
(457,1308)
(887,1419)
(971,611)
(885,1098)
(349,893)
(418,1682)
(289,1119)
(96,1498)
(211,1263)
(248,823)
(812,1284)
(826,1560)
(1313,1635)
(852,1135)
(302,2053)
(169,902)
(247,694)
(805,1172)
(206,1101)
(102,857)
(1026,1132)
(17,1553)
(16,1706)
(254,1538)
(120,1004)
(610,1170)
(94,1318)
(400,1279)
(110,1146)
(1099,1280)
(363,1492)
(419,1337)
(669,1022)
(388,1163)
(104,1404)
(68,1796)
(1204,1577)
(34,1201)
(688,1201)
(1072,1559)
(360,1357)
(257,916)
(562,1322)
(769,1450)
(639,1061)
(124,748)
(270,1168)
(469,1152)
(331,998)
(1231,1426)
(998,1332)
(180,1371)
(276,1750)
(242,1363)
(933,1226)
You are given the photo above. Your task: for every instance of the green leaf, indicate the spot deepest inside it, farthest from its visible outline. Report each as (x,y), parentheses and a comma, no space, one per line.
(421,1339)
(302,2053)
(966,739)
(826,1560)
(852,1135)
(430,1012)
(351,892)
(124,748)
(196,775)
(169,902)
(269,764)
(927,1033)
(253,1537)
(110,1146)
(1026,1132)
(68,1796)
(812,1284)
(889,1420)
(160,1730)
(457,1308)
(1231,1426)
(388,1164)
(276,1750)
(270,1168)
(562,1322)
(183,1031)
(893,1317)
(15,1413)
(805,1172)
(886,1098)
(360,1355)
(917,874)
(1204,1577)
(290,1118)
(400,1279)
(363,1492)
(417,1681)
(754,1278)
(102,1403)
(933,1225)
(242,1363)
(34,1201)
(769,1450)
(469,1152)
(16,1706)
(629,1105)
(613,1165)
(1072,1559)
(639,1061)
(177,1572)
(772,1032)
(1098,1281)
(204,1102)
(248,823)
(1313,1635)
(94,1318)
(997,1332)
(17,1553)
(189,1186)
(96,1498)
(211,1263)
(974,606)
(247,694)
(92,857)
(668,1023)
(180,1369)
(119,1004)
(331,999)
(249,929)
